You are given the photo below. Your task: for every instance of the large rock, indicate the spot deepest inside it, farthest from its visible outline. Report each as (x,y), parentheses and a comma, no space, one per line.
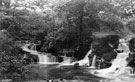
(132,45)
(105,46)
(131,58)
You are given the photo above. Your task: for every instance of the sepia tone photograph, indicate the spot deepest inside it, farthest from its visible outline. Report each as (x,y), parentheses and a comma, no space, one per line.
(67,40)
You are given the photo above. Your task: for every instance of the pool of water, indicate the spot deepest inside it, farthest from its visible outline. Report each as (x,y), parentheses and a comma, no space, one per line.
(74,74)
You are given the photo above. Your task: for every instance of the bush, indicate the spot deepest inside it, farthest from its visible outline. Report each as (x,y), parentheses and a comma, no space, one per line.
(11,63)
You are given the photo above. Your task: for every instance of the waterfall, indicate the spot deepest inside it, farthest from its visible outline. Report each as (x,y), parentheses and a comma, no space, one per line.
(93,62)
(44,58)
(85,60)
(120,61)
(66,60)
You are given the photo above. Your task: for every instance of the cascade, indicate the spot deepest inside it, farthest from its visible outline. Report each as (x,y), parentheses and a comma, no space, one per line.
(93,62)
(85,60)
(66,60)
(44,58)
(119,65)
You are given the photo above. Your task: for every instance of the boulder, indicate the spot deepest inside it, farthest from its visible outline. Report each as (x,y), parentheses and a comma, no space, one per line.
(105,48)
(131,58)
(132,45)
(76,65)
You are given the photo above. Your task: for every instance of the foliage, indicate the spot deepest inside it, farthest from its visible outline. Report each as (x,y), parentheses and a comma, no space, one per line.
(11,63)
(59,24)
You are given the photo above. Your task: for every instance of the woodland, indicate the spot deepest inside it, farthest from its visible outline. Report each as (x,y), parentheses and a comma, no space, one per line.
(57,25)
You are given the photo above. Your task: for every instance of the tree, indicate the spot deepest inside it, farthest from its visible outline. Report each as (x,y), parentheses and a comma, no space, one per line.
(11,64)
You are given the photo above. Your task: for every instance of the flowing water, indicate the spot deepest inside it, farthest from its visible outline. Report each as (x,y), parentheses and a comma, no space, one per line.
(44,58)
(66,60)
(85,60)
(93,62)
(120,60)
(118,72)
(119,69)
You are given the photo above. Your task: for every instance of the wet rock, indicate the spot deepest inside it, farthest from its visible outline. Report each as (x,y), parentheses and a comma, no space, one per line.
(105,48)
(76,65)
(132,45)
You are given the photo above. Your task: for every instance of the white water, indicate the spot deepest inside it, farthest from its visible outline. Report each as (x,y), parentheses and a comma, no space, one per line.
(84,61)
(119,71)
(66,60)
(111,73)
(120,60)
(44,58)
(93,62)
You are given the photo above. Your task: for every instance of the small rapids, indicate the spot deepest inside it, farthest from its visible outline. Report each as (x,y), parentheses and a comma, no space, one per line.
(84,61)
(44,58)
(47,58)
(117,72)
